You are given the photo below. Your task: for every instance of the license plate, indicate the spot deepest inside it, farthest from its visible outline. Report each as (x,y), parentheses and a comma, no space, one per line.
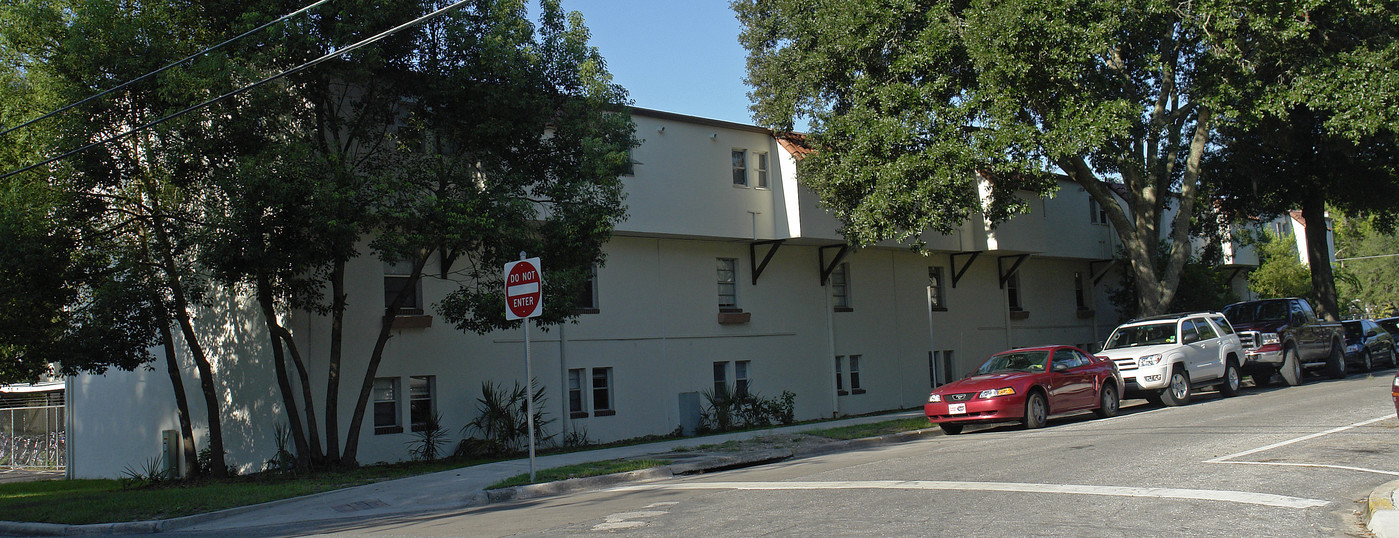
(957,409)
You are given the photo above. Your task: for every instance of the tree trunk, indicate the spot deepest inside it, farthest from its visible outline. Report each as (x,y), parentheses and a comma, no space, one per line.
(337,332)
(367,387)
(218,466)
(269,315)
(1319,258)
(172,367)
(309,404)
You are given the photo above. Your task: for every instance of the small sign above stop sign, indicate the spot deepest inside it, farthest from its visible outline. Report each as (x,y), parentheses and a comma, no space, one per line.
(524,288)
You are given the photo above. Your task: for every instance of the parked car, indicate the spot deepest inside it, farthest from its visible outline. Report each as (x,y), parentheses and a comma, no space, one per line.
(1028,385)
(1165,358)
(1366,343)
(1391,325)
(1284,336)
(1394,392)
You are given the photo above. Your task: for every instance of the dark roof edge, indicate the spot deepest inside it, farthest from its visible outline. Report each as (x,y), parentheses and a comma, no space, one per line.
(661,114)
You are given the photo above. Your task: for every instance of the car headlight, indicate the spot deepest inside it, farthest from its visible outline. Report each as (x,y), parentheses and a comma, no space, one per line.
(992,393)
(1268,338)
(1353,348)
(934,398)
(1149,360)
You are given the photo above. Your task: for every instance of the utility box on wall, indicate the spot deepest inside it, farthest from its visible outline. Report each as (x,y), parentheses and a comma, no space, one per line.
(170,451)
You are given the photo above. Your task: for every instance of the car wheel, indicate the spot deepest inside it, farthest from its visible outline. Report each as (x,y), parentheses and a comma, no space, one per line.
(1336,364)
(1232,379)
(950,428)
(1291,367)
(1178,392)
(1108,402)
(1036,411)
(1366,362)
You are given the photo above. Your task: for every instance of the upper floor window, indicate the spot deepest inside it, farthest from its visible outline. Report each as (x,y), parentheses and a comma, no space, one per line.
(631,164)
(762,170)
(1013,292)
(740,167)
(1096,213)
(1080,296)
(398,276)
(728,282)
(586,301)
(840,287)
(936,291)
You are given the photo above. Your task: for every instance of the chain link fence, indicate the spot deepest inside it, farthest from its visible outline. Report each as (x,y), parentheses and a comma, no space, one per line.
(33,438)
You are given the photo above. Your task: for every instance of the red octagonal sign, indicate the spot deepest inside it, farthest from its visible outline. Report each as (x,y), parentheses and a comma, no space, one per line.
(523,297)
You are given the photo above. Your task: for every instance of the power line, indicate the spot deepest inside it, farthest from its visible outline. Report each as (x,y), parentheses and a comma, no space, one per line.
(163,69)
(238,91)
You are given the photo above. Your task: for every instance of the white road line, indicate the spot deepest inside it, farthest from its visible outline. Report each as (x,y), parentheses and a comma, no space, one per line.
(1224,459)
(1265,499)
(1321,465)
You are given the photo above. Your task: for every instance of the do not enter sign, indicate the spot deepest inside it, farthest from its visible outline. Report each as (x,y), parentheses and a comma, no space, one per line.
(523,289)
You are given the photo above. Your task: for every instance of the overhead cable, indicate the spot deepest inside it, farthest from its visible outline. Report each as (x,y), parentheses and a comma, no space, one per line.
(163,69)
(241,90)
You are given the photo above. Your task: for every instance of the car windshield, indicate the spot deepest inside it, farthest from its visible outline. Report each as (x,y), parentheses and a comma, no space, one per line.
(1255,312)
(1390,325)
(1015,361)
(1142,335)
(1353,329)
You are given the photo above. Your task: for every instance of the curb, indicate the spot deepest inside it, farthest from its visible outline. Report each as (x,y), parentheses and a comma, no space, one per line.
(1380,515)
(529,491)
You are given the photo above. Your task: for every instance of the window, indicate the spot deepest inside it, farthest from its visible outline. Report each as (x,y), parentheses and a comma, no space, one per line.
(740,378)
(936,299)
(721,379)
(398,276)
(1080,298)
(840,288)
(840,373)
(575,394)
(855,375)
(1067,358)
(631,164)
(728,282)
(386,419)
(762,170)
(1206,331)
(420,401)
(740,164)
(586,301)
(1013,292)
(602,392)
(1096,213)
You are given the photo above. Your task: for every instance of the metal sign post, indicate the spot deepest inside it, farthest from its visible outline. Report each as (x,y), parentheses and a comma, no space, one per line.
(524,299)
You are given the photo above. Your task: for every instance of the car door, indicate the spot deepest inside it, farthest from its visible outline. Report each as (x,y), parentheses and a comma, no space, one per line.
(1210,360)
(1073,380)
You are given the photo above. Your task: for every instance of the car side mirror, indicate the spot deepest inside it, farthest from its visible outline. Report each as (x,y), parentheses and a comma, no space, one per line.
(1061,367)
(1191,338)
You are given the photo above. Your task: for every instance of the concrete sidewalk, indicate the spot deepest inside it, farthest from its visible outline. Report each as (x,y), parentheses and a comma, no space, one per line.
(1381,516)
(465,487)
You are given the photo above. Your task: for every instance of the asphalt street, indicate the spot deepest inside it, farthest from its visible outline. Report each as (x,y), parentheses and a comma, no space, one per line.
(1287,461)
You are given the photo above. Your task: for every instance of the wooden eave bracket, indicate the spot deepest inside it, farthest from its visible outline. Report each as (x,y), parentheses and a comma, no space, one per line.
(1007,273)
(753,262)
(958,272)
(828,268)
(1098,274)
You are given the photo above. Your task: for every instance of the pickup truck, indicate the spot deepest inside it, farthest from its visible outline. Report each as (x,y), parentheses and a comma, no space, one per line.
(1284,336)
(1165,358)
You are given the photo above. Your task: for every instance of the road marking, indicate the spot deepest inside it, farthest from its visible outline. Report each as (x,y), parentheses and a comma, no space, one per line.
(618,521)
(1321,465)
(1265,499)
(1224,459)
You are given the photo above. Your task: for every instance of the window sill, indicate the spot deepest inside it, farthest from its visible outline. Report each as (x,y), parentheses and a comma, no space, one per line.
(412,321)
(604,413)
(857,391)
(844,309)
(381,430)
(582,311)
(734,318)
(842,393)
(419,427)
(1019,314)
(578,414)
(939,309)
(1085,313)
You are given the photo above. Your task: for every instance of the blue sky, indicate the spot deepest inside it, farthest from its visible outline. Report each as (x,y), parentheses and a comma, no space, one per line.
(679,56)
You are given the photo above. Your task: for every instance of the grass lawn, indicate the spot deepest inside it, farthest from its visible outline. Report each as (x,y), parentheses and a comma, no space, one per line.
(860,431)
(582,470)
(107,501)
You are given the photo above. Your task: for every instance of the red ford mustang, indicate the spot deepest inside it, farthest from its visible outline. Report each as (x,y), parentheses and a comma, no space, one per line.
(1028,385)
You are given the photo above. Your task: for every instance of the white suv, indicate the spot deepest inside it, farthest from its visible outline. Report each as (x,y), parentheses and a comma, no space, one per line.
(1168,357)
